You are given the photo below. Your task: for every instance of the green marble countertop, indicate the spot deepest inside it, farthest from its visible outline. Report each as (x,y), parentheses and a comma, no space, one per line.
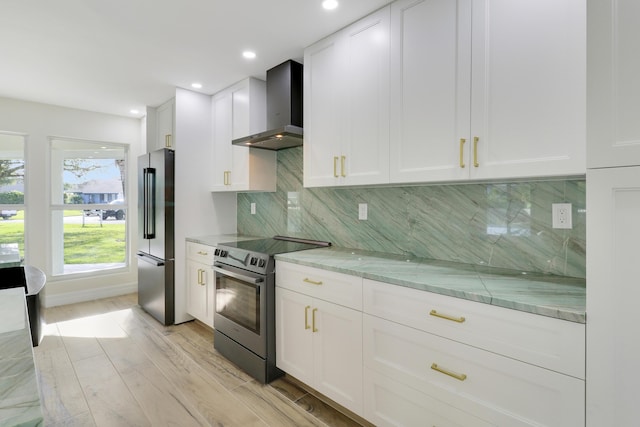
(19,396)
(546,295)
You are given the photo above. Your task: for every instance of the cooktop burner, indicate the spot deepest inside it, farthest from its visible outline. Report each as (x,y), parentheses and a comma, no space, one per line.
(257,255)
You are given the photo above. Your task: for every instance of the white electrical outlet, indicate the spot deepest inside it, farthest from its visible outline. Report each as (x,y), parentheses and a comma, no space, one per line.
(561,215)
(362,211)
(253,208)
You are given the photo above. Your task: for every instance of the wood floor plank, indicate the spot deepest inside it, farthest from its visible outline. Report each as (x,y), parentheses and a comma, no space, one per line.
(162,403)
(83,420)
(109,399)
(210,398)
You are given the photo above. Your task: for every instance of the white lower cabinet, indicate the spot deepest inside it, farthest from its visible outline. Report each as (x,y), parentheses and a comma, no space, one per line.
(497,389)
(388,402)
(317,341)
(200,282)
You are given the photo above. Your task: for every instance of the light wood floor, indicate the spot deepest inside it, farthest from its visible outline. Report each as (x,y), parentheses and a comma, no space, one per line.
(108,363)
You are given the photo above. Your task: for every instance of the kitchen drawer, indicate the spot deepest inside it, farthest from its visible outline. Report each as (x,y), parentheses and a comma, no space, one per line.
(390,403)
(543,341)
(200,253)
(497,389)
(338,288)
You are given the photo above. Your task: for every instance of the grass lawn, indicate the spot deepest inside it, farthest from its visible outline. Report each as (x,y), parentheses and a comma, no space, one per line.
(91,244)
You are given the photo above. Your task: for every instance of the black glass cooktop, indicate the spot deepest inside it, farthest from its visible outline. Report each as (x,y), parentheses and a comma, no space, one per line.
(275,245)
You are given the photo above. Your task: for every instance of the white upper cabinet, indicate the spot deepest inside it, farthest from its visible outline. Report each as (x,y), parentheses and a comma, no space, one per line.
(161,125)
(238,111)
(430,84)
(528,88)
(490,90)
(346,105)
(613,127)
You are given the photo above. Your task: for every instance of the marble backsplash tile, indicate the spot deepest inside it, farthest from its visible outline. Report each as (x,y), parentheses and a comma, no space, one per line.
(502,224)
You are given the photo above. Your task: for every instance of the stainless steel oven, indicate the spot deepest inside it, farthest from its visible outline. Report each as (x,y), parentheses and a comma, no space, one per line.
(244,319)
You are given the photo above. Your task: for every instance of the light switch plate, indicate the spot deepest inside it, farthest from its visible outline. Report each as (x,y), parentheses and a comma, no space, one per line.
(561,215)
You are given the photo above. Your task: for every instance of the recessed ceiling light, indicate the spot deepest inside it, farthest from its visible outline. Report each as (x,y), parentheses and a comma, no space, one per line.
(248,54)
(134,111)
(196,85)
(330,4)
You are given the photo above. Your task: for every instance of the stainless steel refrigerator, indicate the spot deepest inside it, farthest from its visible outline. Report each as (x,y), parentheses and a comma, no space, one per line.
(156,293)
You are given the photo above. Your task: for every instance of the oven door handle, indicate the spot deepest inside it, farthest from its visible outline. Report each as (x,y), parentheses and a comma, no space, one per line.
(242,277)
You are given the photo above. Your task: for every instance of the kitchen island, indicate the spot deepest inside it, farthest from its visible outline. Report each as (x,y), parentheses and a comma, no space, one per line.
(542,294)
(19,397)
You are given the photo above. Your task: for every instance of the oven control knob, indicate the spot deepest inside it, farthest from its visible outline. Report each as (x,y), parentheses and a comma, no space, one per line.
(261,263)
(254,260)
(223,253)
(216,252)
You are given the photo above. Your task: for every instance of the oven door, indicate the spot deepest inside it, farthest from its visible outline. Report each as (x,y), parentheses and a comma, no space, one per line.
(241,305)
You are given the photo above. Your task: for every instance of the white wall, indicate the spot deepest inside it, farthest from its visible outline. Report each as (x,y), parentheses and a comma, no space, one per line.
(40,122)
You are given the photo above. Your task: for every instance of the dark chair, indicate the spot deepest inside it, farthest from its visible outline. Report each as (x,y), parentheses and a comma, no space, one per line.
(15,277)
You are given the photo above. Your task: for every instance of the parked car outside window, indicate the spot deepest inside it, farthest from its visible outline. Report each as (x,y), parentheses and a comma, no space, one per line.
(116,213)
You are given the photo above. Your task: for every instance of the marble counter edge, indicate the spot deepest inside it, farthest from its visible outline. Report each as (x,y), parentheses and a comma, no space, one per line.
(357,267)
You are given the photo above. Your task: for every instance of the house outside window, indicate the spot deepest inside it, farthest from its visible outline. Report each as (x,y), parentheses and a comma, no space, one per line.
(88,206)
(12,172)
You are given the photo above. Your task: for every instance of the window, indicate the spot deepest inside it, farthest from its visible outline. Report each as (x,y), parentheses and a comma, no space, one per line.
(89,206)
(12,168)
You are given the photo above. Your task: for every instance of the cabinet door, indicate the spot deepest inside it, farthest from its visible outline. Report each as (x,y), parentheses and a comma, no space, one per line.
(165,125)
(221,110)
(240,111)
(613,88)
(613,350)
(197,297)
(337,348)
(430,86)
(294,347)
(528,88)
(365,151)
(323,112)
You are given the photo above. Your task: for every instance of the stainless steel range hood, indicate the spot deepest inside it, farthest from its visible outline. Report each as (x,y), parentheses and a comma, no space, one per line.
(284,110)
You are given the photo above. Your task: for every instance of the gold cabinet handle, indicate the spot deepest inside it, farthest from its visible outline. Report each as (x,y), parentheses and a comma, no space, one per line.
(167,140)
(475,151)
(460,377)
(202,253)
(227,177)
(313,282)
(447,317)
(200,281)
(306,317)
(335,167)
(342,160)
(313,320)
(462,141)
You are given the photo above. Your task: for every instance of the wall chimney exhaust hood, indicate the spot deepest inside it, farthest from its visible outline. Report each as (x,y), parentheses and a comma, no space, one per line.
(284,110)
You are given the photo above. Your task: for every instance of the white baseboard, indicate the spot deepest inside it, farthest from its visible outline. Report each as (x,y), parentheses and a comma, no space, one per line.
(89,294)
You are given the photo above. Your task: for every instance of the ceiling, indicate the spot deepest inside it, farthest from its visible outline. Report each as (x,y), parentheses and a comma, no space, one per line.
(113,56)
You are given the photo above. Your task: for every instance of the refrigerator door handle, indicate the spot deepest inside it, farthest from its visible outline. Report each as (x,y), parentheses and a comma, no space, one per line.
(150,259)
(149,210)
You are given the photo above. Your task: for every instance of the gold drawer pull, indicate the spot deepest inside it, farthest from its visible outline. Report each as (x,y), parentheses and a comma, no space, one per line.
(342,160)
(202,253)
(460,377)
(313,282)
(462,141)
(306,317)
(335,167)
(447,317)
